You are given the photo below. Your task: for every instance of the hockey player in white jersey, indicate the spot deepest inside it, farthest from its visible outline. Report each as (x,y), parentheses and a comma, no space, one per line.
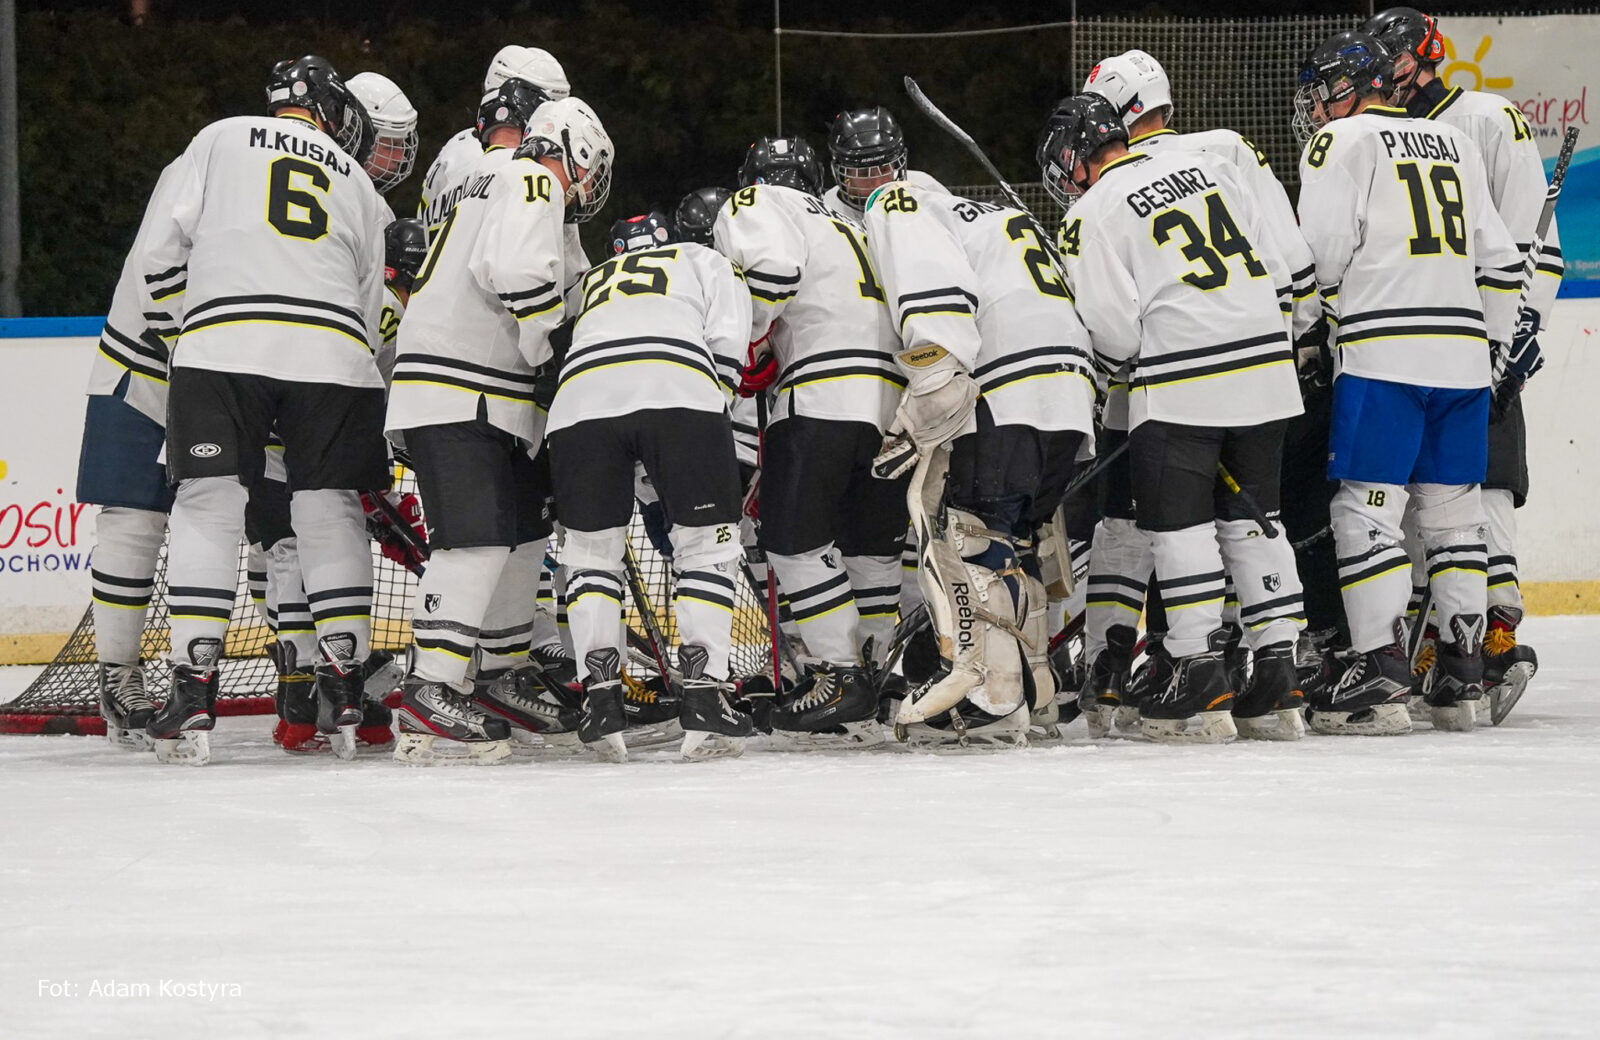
(866,150)
(999,404)
(1137,86)
(282,234)
(661,333)
(477,330)
(832,532)
(1398,215)
(394,128)
(1517,185)
(1167,258)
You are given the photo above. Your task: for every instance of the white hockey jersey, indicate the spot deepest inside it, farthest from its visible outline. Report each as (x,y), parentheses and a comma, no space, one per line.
(812,289)
(659,328)
(843,208)
(141,326)
(282,234)
(489,293)
(1511,161)
(974,278)
(1280,227)
(394,308)
(1398,216)
(446,181)
(1168,257)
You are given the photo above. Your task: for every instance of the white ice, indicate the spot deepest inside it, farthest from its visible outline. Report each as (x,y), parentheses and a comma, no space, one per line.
(1435,885)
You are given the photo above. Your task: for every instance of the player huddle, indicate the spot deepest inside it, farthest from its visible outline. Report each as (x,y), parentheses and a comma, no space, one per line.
(1295,431)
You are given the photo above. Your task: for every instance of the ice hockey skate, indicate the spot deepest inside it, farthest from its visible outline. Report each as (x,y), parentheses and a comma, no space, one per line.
(296,703)
(181,728)
(1190,700)
(542,716)
(833,707)
(1105,690)
(1508,666)
(967,727)
(604,715)
(557,664)
(1457,690)
(440,725)
(1271,706)
(712,728)
(124,705)
(1368,698)
(652,711)
(381,675)
(341,693)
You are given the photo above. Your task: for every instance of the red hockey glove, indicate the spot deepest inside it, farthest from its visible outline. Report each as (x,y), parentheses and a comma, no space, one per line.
(410,553)
(760,371)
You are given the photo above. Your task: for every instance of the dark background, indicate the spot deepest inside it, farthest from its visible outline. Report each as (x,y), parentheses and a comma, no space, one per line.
(111,92)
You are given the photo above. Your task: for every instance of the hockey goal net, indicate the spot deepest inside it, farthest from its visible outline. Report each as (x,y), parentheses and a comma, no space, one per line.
(64,697)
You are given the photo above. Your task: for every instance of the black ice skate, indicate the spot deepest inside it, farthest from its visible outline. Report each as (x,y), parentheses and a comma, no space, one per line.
(604,716)
(833,707)
(652,709)
(439,725)
(712,728)
(125,706)
(1508,666)
(296,703)
(967,727)
(341,692)
(181,728)
(1106,687)
(1271,706)
(557,665)
(543,716)
(1141,682)
(1190,700)
(1457,688)
(1368,698)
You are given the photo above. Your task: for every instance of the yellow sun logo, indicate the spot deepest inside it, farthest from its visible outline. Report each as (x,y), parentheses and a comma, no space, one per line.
(1471,68)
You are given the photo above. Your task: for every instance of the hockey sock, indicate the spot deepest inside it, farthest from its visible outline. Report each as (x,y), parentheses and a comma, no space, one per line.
(1374,570)
(1453,528)
(1193,587)
(507,631)
(127,548)
(1272,606)
(546,629)
(1120,561)
(820,597)
(257,562)
(1078,601)
(335,563)
(1411,542)
(875,583)
(1499,506)
(286,593)
(594,612)
(207,525)
(703,606)
(451,600)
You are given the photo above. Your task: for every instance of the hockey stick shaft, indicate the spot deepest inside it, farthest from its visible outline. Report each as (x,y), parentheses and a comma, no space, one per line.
(774,629)
(647,617)
(1249,502)
(1547,214)
(402,530)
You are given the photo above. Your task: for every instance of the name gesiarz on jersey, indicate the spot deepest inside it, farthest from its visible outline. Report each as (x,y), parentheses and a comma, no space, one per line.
(1419,144)
(279,141)
(1164,191)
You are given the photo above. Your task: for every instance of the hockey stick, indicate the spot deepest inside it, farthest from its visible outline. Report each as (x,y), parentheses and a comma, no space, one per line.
(647,614)
(1530,266)
(396,524)
(950,127)
(776,631)
(1249,502)
(1419,628)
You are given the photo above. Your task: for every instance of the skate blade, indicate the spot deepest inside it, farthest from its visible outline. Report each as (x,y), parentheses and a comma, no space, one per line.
(1282,724)
(1460,717)
(994,737)
(1101,720)
(1206,727)
(545,745)
(655,734)
(700,746)
(189,749)
(424,749)
(857,736)
(1505,696)
(1385,720)
(610,748)
(343,743)
(1129,722)
(128,739)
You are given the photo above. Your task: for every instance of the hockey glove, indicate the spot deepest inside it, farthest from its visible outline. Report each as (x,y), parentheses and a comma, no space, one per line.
(1523,359)
(938,399)
(409,552)
(1314,359)
(760,369)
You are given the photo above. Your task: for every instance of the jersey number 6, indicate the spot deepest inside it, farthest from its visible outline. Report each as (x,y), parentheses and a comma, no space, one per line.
(293,211)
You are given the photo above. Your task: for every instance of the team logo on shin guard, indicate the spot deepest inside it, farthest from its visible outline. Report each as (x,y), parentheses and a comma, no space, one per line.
(1271,582)
(430,602)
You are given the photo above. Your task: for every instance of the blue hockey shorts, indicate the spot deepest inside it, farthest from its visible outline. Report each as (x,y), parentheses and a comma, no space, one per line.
(1396,433)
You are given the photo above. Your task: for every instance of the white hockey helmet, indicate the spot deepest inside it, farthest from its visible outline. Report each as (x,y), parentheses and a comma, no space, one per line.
(1135,83)
(534,64)
(569,130)
(394,123)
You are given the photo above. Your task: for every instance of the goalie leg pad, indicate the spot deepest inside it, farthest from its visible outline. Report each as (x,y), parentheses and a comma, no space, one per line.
(127,548)
(207,524)
(335,563)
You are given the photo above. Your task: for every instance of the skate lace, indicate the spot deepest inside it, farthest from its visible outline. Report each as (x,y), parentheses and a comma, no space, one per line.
(513,693)
(821,689)
(636,691)
(1499,641)
(1425,659)
(128,688)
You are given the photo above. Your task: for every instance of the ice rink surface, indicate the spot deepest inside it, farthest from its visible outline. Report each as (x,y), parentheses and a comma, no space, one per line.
(1430,886)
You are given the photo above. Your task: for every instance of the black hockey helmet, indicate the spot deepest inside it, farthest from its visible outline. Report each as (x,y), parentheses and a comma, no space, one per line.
(1079,127)
(405,245)
(646,231)
(313,84)
(1345,65)
(866,149)
(697,214)
(787,161)
(1412,37)
(512,103)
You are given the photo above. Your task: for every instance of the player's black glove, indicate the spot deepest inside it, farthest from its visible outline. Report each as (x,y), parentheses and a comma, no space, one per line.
(1523,359)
